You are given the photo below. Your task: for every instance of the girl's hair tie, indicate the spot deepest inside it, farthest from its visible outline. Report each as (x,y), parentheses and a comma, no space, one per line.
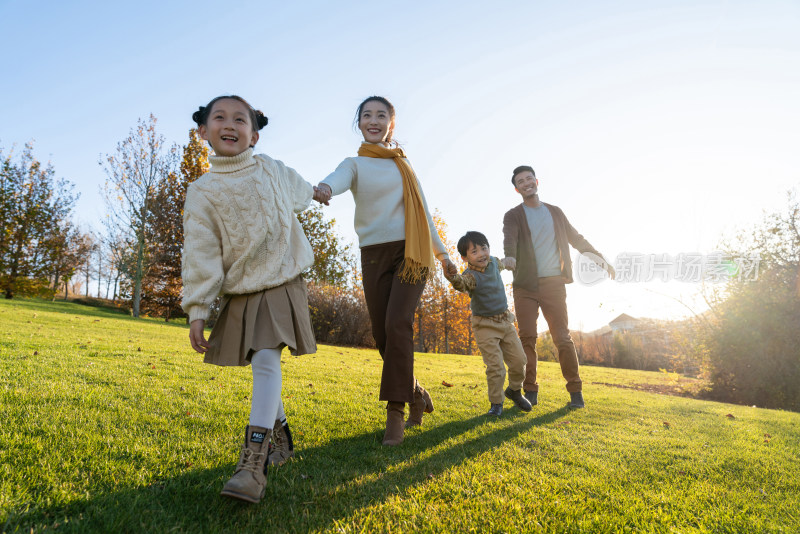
(198,117)
(261,120)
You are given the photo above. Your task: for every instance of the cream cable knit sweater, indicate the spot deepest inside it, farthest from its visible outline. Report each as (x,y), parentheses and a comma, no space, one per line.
(377,188)
(240,232)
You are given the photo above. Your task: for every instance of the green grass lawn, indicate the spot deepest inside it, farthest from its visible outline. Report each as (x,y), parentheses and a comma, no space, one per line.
(110,424)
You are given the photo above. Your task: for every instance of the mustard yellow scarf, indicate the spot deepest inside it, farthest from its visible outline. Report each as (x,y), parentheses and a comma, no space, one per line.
(419,259)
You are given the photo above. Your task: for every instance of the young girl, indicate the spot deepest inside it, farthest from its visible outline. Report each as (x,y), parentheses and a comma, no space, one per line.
(398,241)
(243,241)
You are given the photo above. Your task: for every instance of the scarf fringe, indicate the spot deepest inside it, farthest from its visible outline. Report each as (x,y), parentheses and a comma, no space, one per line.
(413,272)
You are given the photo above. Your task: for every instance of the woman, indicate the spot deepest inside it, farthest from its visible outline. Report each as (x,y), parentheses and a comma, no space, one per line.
(398,241)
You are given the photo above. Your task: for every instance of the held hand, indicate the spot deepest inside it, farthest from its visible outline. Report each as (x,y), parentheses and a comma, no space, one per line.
(322,193)
(197,336)
(509,263)
(610,270)
(449,268)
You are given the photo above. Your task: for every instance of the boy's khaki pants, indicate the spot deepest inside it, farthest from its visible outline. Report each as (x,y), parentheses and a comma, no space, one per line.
(498,343)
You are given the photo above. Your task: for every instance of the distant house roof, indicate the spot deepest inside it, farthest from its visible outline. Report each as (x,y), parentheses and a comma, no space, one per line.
(624,318)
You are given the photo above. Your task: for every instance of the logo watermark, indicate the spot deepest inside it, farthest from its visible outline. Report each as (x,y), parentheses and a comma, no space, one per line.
(689,267)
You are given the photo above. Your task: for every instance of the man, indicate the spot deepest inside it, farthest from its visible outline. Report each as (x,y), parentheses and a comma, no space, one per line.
(536,239)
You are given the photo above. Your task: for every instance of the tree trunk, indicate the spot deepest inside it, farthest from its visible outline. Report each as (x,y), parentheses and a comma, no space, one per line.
(137,283)
(55,284)
(446,328)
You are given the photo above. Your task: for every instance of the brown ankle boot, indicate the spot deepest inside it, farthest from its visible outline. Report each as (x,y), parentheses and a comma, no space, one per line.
(248,482)
(394,423)
(422,403)
(282,446)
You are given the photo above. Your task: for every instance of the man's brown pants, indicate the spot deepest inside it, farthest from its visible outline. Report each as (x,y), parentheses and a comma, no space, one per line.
(551,297)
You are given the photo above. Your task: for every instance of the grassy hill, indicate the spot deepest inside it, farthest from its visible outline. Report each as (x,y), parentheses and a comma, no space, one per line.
(109,424)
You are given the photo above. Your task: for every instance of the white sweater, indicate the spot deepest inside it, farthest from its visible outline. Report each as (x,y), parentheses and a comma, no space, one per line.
(240,232)
(377,188)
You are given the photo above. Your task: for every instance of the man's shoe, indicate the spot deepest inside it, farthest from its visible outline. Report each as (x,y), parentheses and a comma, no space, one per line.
(576,400)
(496,410)
(516,396)
(533,397)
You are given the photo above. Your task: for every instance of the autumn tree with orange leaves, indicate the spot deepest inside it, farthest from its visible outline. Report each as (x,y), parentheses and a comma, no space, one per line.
(443,322)
(162,287)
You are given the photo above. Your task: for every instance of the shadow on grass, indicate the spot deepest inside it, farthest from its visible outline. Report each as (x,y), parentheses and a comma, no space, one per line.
(324,485)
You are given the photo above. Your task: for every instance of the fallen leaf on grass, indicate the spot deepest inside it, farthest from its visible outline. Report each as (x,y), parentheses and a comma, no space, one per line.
(730,416)
(304,477)
(767,436)
(447,384)
(666,424)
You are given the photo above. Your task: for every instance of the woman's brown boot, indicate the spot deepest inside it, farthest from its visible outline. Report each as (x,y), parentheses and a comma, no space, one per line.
(394,423)
(422,404)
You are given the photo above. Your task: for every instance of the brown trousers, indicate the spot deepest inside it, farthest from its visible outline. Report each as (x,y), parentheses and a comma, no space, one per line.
(551,297)
(391,305)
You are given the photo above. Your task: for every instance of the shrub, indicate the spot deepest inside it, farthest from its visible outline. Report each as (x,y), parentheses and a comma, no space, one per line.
(339,316)
(754,337)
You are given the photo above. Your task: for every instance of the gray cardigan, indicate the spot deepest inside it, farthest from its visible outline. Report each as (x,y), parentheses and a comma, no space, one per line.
(518,244)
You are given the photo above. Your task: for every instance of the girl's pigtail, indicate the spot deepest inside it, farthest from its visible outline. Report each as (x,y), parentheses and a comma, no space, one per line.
(261,119)
(199,115)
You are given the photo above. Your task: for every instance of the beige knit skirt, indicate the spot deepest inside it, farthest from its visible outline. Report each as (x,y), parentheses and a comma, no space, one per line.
(273,318)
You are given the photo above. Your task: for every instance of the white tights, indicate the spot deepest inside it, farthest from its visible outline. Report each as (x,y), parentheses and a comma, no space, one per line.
(266,405)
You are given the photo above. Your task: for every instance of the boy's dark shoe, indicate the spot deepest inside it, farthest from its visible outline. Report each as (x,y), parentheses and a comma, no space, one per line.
(576,400)
(533,397)
(516,396)
(496,409)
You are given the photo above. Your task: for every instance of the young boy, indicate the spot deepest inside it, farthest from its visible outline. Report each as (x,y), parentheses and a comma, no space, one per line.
(492,323)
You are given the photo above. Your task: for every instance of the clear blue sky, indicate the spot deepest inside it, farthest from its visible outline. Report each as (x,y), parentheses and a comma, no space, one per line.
(658,127)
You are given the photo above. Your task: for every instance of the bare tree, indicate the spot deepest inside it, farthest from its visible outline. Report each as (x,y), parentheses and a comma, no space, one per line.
(134,174)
